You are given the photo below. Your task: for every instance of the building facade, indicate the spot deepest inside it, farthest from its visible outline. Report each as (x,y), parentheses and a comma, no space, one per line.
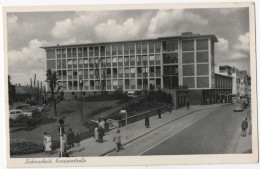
(162,63)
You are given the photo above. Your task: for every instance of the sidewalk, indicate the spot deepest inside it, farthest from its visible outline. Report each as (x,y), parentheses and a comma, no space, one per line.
(133,131)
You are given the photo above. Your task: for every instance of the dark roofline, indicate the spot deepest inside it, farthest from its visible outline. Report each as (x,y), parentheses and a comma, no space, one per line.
(223,75)
(131,41)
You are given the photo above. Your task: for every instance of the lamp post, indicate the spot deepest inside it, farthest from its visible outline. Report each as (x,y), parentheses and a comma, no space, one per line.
(124,112)
(81,111)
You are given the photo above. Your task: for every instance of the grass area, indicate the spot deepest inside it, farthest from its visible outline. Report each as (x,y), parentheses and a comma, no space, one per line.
(68,109)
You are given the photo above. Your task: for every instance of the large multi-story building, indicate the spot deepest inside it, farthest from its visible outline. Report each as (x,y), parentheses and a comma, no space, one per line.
(162,63)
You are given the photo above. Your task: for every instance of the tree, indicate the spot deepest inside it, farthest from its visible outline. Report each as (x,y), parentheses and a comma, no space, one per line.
(52,79)
(11,89)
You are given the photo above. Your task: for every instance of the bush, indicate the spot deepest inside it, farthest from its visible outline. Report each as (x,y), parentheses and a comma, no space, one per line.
(98,111)
(25,147)
(119,94)
(21,120)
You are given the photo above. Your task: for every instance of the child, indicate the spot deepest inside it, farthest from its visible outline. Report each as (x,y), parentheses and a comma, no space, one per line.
(47,143)
(76,142)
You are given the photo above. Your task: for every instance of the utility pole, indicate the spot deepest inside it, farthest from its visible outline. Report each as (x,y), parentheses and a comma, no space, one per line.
(81,110)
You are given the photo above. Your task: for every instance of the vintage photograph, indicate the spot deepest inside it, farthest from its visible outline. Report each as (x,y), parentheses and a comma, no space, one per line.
(143,82)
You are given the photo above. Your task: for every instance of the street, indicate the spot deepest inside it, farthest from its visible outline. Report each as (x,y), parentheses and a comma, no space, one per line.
(215,131)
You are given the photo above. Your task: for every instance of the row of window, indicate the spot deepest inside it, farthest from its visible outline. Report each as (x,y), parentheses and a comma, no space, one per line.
(189,57)
(117,72)
(202,82)
(222,82)
(189,70)
(94,84)
(189,45)
(120,49)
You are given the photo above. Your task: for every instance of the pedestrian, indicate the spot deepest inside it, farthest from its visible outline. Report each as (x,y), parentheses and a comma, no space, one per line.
(147,122)
(100,134)
(188,104)
(70,139)
(64,145)
(159,112)
(96,133)
(117,140)
(47,143)
(106,126)
(244,126)
(77,142)
(102,123)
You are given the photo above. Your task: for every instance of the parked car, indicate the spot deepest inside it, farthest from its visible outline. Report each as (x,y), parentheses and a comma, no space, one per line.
(40,107)
(238,107)
(26,108)
(17,112)
(243,103)
(234,99)
(246,101)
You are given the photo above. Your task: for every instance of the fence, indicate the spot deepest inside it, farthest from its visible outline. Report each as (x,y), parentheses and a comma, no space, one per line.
(138,117)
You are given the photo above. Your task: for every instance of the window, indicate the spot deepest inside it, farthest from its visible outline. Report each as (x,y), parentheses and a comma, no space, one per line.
(138,48)
(202,44)
(132,70)
(114,70)
(75,72)
(74,61)
(120,49)
(202,56)
(85,61)
(132,48)
(132,58)
(127,70)
(132,82)
(188,57)
(202,69)
(189,82)
(114,50)
(108,60)
(202,82)
(126,48)
(151,47)
(120,70)
(80,61)
(51,64)
(50,54)
(70,72)
(85,51)
(152,57)
(80,72)
(91,72)
(92,83)
(144,47)
(127,59)
(188,70)
(127,82)
(107,50)
(157,47)
(139,70)
(120,59)
(109,71)
(114,59)
(115,82)
(187,45)
(69,62)
(102,50)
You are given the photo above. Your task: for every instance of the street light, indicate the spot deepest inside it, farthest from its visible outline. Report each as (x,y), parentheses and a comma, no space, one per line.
(124,112)
(81,85)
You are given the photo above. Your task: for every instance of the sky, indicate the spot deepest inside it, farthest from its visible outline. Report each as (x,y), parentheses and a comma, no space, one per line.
(28,31)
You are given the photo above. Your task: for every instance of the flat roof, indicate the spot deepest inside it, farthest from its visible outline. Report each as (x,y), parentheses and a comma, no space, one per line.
(131,41)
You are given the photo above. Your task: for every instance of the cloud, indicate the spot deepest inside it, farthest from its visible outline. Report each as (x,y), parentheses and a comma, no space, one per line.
(11,20)
(243,42)
(174,22)
(28,58)
(227,11)
(111,30)
(222,44)
(238,56)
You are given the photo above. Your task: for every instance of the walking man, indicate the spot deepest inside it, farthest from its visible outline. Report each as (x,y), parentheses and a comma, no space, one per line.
(117,140)
(159,112)
(244,126)
(188,104)
(147,122)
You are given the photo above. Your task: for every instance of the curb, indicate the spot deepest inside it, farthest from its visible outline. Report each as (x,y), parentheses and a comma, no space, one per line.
(128,142)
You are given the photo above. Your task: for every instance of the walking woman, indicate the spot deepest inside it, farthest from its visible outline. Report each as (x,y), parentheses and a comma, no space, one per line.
(47,143)
(96,133)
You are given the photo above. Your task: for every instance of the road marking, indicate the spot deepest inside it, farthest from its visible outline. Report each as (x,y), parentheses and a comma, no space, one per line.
(174,134)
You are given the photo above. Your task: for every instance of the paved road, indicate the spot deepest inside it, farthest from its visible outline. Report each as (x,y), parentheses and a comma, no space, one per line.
(209,131)
(218,132)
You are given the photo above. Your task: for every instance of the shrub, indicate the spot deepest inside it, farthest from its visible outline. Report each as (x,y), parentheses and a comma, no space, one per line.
(21,120)
(119,94)
(25,147)
(98,111)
